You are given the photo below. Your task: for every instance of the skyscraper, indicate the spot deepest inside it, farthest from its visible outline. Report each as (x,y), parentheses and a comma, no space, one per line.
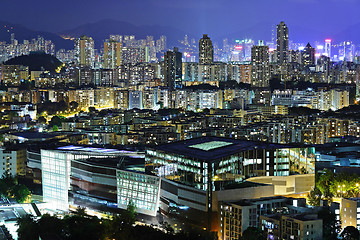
(308,55)
(328,48)
(260,73)
(84,51)
(206,50)
(173,68)
(112,54)
(282,42)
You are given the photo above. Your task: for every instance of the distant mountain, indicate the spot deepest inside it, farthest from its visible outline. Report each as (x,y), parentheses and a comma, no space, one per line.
(36,61)
(22,33)
(101,30)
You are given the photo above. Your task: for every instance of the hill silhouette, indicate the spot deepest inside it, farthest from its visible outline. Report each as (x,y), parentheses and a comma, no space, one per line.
(36,61)
(22,33)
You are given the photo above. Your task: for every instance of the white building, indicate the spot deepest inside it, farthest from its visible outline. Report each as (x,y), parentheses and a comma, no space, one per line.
(141,189)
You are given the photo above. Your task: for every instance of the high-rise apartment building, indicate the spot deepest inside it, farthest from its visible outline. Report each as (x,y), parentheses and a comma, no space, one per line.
(260,72)
(173,68)
(206,50)
(112,54)
(84,50)
(308,55)
(282,42)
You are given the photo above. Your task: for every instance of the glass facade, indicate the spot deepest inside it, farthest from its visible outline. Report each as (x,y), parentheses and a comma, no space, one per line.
(246,163)
(56,178)
(141,189)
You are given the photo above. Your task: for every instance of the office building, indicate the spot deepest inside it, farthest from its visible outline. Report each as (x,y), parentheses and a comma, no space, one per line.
(328,48)
(75,173)
(260,71)
(308,55)
(140,188)
(199,162)
(206,50)
(173,69)
(282,43)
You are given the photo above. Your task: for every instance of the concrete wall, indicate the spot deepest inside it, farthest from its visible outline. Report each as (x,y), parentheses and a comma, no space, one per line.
(285,185)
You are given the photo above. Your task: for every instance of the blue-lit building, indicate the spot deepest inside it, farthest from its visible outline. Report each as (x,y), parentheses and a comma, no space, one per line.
(192,170)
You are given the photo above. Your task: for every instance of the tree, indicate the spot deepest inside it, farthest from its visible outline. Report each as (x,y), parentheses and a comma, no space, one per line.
(81,211)
(42,120)
(73,105)
(324,183)
(314,197)
(21,193)
(27,228)
(331,226)
(253,233)
(9,187)
(50,226)
(55,128)
(350,233)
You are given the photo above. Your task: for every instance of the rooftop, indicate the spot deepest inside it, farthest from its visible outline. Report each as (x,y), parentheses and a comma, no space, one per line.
(213,148)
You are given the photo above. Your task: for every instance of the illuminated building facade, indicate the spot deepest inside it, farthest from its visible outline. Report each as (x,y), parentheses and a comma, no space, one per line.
(141,189)
(84,51)
(198,162)
(13,74)
(328,48)
(173,69)
(75,174)
(282,43)
(206,50)
(112,54)
(308,55)
(260,72)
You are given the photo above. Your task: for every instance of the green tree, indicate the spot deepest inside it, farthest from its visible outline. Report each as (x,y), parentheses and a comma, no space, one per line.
(79,227)
(324,183)
(73,105)
(9,187)
(42,120)
(314,197)
(331,226)
(55,120)
(253,233)
(27,228)
(20,192)
(50,226)
(350,233)
(55,128)
(80,211)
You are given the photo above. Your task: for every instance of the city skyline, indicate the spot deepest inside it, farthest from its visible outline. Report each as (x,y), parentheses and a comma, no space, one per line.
(213,18)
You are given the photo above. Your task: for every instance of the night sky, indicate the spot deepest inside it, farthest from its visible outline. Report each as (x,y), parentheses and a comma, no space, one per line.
(192,16)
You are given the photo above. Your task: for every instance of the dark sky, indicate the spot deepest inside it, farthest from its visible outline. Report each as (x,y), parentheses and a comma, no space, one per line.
(193,16)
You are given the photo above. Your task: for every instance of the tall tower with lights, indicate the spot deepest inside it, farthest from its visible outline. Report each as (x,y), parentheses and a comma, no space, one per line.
(206,50)
(328,48)
(282,42)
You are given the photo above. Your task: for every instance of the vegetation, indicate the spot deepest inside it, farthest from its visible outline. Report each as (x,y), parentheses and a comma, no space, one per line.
(10,188)
(314,197)
(331,226)
(52,107)
(36,62)
(329,185)
(350,233)
(82,226)
(253,233)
